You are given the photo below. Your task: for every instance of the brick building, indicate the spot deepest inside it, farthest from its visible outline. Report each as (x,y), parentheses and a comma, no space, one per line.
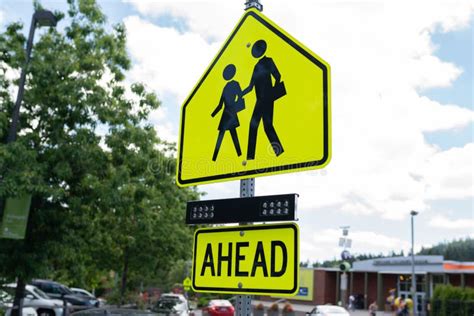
(370,280)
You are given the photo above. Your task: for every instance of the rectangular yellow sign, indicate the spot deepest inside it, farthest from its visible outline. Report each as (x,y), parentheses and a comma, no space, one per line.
(253,259)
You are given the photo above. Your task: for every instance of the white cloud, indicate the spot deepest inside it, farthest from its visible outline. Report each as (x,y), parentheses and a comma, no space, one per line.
(449,174)
(381,57)
(166,60)
(221,14)
(447,223)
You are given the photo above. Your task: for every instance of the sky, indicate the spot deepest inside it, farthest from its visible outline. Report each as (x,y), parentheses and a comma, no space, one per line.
(402,107)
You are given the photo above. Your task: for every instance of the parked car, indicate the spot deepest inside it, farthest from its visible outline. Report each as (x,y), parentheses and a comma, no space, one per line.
(328,310)
(26,311)
(89,295)
(171,304)
(40,301)
(218,308)
(6,303)
(60,291)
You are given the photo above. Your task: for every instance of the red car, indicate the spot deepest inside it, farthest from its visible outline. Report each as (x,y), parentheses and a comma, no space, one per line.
(218,308)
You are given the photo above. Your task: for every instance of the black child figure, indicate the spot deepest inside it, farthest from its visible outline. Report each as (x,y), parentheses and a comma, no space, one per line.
(233,102)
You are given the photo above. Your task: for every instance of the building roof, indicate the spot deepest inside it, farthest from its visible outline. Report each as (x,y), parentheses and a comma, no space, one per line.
(402,265)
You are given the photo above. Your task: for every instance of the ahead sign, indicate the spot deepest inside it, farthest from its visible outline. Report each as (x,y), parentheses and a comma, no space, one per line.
(256,259)
(262,107)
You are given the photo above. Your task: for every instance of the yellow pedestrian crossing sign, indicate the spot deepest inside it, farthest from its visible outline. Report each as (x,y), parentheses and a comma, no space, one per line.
(187,284)
(262,107)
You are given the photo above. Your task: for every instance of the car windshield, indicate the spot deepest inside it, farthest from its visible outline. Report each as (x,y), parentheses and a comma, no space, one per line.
(40,293)
(9,291)
(66,290)
(220,303)
(168,304)
(5,297)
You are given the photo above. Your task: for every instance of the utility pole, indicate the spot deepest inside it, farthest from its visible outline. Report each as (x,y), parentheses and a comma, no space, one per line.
(345,243)
(413,276)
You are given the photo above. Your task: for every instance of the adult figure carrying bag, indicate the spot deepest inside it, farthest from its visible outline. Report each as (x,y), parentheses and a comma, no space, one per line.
(266,94)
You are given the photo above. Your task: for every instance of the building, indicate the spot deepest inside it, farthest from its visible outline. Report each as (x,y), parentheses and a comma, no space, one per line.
(371,280)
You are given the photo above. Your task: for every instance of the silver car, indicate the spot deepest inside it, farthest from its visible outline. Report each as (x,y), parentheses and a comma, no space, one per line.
(40,301)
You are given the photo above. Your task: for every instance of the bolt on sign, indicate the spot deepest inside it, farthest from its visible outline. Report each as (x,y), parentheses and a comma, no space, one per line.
(253,259)
(262,107)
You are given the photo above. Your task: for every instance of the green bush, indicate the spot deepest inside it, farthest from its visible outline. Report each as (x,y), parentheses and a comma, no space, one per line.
(452,301)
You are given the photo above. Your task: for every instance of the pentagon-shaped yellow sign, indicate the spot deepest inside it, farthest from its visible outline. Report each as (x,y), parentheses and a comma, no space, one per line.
(262,107)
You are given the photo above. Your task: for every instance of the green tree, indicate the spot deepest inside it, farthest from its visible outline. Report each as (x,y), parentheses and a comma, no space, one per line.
(87,156)
(460,250)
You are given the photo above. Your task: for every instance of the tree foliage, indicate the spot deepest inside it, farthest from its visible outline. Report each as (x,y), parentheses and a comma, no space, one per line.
(102,181)
(458,250)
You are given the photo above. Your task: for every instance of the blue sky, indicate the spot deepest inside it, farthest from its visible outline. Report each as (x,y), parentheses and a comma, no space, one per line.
(429,140)
(455,47)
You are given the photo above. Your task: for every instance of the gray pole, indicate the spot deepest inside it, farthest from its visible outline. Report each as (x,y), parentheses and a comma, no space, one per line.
(21,88)
(18,300)
(41,17)
(413,276)
(247,189)
(244,302)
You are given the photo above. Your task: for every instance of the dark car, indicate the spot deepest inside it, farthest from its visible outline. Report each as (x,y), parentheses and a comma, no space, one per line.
(62,292)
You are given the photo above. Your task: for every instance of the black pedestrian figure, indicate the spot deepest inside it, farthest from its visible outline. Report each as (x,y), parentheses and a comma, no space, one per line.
(233,102)
(266,94)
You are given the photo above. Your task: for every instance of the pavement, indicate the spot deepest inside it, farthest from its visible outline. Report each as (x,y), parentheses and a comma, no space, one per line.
(302,309)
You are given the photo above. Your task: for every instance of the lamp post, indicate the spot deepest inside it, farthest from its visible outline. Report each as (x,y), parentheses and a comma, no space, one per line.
(413,276)
(39,18)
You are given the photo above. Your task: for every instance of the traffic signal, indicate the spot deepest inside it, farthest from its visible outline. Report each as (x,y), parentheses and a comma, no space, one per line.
(344,266)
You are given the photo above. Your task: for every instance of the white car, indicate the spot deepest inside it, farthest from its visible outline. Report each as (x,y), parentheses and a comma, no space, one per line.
(40,301)
(27,311)
(175,304)
(6,304)
(328,310)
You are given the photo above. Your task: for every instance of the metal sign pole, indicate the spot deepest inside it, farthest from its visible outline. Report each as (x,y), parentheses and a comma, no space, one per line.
(247,189)
(244,302)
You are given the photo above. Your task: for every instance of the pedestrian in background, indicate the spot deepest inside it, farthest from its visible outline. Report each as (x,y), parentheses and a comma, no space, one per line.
(373,309)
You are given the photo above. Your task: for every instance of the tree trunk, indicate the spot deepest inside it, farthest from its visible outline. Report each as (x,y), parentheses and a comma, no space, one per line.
(123,286)
(19,294)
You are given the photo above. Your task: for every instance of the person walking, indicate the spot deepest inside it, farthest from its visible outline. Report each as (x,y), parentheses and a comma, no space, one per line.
(373,309)
(266,94)
(232,101)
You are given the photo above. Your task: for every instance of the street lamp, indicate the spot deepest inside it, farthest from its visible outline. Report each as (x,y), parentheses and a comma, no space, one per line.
(40,18)
(413,276)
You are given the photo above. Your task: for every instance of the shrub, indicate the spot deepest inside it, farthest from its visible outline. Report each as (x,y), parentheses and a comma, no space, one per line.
(260,307)
(288,308)
(452,301)
(274,307)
